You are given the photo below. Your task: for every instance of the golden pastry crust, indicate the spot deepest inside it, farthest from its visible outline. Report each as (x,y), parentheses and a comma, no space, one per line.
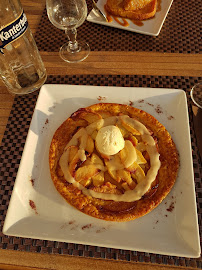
(131,9)
(108,209)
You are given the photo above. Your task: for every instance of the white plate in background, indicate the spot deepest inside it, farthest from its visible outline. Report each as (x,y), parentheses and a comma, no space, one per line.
(150,27)
(37,210)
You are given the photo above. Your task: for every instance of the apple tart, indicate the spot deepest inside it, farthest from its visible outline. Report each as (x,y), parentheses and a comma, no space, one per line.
(113,162)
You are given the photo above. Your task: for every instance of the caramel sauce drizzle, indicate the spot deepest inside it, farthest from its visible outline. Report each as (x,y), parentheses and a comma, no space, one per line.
(138,23)
(109,17)
(121,21)
(117,19)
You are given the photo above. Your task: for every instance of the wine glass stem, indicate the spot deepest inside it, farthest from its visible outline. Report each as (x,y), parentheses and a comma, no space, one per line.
(73,44)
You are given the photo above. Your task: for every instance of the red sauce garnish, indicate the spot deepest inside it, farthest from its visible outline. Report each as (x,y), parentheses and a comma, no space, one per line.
(152,105)
(33,206)
(87,226)
(101,230)
(170,117)
(32,181)
(46,122)
(71,222)
(171,207)
(131,103)
(100,98)
(158,109)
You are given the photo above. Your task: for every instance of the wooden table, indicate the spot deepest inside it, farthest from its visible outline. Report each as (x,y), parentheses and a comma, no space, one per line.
(103,62)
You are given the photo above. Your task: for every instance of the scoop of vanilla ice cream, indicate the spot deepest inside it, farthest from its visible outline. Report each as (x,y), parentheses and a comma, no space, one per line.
(109,140)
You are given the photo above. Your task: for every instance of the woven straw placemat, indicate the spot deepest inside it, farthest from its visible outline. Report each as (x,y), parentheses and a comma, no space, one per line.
(180,33)
(12,148)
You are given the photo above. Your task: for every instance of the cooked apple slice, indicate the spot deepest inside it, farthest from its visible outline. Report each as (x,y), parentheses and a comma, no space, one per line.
(85,172)
(90,117)
(125,186)
(86,143)
(87,162)
(108,178)
(96,160)
(125,176)
(89,145)
(128,154)
(128,124)
(123,155)
(140,159)
(112,173)
(137,174)
(98,179)
(124,131)
(73,164)
(73,150)
(94,134)
(113,165)
(146,156)
(133,139)
(86,182)
(132,168)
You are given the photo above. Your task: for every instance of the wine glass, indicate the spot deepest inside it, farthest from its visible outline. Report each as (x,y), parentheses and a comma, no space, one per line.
(196,94)
(69,15)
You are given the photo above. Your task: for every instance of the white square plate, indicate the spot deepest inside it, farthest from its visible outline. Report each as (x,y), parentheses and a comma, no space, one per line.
(37,210)
(150,27)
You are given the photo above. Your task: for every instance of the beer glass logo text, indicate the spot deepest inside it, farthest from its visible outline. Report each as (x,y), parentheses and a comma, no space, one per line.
(13,31)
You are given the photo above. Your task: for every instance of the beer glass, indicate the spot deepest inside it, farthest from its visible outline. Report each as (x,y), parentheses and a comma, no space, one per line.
(68,15)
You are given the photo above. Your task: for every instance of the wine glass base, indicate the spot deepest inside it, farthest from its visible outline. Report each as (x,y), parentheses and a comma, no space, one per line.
(75,56)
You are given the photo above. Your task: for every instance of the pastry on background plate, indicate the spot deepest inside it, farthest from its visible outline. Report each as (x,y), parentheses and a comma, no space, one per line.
(132,9)
(113,162)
